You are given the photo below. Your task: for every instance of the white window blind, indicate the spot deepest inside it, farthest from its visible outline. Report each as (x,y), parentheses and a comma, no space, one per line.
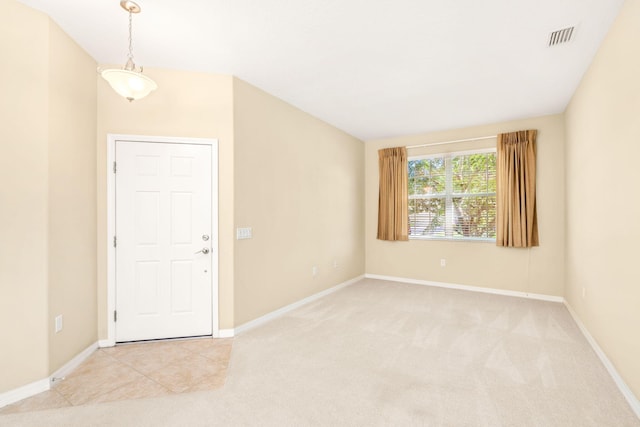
(453,196)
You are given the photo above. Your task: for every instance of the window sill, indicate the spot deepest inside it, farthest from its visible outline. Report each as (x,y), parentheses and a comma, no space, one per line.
(445,239)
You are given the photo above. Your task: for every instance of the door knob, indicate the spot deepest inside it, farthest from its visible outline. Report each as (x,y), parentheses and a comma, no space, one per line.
(203,250)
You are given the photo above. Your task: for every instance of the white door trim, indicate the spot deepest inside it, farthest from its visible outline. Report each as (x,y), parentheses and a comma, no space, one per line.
(111,224)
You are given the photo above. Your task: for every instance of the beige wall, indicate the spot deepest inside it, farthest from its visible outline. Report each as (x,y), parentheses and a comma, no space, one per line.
(299,185)
(72,198)
(538,270)
(47,193)
(23,194)
(603,208)
(187,104)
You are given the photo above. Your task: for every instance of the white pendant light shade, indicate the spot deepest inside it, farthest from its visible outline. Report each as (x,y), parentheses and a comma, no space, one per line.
(129,84)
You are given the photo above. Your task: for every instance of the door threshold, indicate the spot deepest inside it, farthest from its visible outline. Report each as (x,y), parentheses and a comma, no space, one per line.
(196,337)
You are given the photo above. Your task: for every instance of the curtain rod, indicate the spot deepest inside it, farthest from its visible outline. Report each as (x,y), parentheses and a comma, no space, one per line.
(451,142)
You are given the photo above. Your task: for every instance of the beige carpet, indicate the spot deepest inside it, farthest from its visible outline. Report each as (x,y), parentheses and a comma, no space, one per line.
(383,353)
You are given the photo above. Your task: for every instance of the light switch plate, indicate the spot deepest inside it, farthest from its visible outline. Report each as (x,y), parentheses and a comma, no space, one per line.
(243,233)
(58,326)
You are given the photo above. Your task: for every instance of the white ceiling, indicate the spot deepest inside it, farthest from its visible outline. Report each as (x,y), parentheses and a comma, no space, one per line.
(374,68)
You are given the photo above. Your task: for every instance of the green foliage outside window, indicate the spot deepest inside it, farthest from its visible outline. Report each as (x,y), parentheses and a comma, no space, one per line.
(453,196)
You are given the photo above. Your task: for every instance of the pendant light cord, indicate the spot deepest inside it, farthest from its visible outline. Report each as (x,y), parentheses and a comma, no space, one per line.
(130,37)
(130,65)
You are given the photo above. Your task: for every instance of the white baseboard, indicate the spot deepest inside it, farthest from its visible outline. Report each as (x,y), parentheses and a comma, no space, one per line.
(542,297)
(73,363)
(224,333)
(624,388)
(106,343)
(274,314)
(17,394)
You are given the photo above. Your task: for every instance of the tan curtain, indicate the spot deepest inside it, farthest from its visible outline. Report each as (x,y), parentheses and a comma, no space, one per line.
(393,199)
(517,221)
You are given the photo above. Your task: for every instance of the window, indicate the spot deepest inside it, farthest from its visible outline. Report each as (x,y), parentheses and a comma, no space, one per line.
(453,196)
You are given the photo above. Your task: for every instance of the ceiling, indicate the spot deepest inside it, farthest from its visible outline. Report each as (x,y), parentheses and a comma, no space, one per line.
(374,68)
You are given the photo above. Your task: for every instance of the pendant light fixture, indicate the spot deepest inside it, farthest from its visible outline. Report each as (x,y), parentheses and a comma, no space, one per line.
(127,81)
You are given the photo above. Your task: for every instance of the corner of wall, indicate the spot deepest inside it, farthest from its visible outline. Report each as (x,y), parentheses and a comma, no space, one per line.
(71,198)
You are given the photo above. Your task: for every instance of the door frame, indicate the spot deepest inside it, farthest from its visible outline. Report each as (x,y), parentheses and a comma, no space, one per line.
(112,139)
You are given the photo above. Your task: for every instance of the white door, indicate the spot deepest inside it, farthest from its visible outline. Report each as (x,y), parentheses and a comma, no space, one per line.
(163,240)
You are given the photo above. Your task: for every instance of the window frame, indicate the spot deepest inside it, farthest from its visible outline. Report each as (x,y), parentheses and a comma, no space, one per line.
(449,195)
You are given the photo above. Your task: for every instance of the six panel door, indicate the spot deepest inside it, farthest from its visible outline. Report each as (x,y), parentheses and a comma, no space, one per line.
(163,230)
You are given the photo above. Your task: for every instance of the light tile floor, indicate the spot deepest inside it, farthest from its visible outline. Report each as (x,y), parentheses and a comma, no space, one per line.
(134,371)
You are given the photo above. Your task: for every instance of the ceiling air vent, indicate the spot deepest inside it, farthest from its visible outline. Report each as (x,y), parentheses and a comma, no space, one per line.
(561,36)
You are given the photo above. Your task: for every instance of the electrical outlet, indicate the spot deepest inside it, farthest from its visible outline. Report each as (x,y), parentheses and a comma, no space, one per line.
(584,292)
(314,271)
(443,262)
(335,263)
(58,323)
